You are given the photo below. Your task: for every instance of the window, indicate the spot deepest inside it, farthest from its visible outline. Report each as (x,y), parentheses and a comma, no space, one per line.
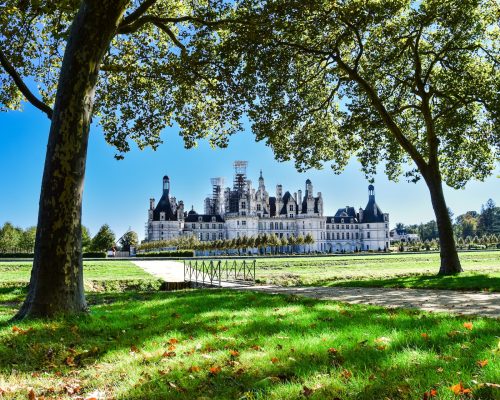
(207,236)
(368,235)
(357,234)
(328,235)
(193,226)
(243,205)
(214,236)
(343,235)
(281,225)
(220,226)
(214,226)
(368,226)
(243,213)
(338,237)
(347,235)
(291,207)
(342,220)
(207,226)
(337,227)
(200,237)
(259,207)
(213,219)
(220,235)
(237,222)
(386,235)
(161,225)
(291,215)
(200,219)
(276,225)
(386,226)
(243,222)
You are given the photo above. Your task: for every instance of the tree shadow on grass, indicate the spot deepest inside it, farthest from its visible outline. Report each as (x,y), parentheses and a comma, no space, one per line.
(208,323)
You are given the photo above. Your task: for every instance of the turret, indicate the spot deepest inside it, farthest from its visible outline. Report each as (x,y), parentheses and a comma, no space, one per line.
(166,184)
(152,204)
(279,191)
(180,211)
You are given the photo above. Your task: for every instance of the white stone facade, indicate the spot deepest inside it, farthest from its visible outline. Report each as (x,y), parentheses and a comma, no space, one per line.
(245,211)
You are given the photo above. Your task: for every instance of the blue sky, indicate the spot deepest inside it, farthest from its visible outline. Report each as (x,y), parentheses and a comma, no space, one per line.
(118,192)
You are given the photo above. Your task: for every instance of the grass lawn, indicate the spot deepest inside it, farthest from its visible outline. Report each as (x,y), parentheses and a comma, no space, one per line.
(220,344)
(401,270)
(98,275)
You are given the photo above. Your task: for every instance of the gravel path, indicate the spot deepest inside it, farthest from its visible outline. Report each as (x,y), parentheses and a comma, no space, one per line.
(479,303)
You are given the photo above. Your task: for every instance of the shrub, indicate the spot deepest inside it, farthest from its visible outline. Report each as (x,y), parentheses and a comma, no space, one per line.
(173,253)
(16,255)
(94,254)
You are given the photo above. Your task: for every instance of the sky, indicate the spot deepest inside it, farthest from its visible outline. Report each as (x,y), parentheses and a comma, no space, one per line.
(118,192)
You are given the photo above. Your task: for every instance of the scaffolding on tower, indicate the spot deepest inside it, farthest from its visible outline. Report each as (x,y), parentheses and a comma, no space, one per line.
(239,184)
(217,195)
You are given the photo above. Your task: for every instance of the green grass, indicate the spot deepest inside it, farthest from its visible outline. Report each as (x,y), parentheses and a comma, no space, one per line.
(407,270)
(98,276)
(280,346)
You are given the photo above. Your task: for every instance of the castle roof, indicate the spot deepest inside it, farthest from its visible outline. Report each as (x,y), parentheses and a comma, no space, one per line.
(372,212)
(345,214)
(204,218)
(164,206)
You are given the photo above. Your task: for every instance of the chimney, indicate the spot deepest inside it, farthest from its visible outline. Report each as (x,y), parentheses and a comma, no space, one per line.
(151,204)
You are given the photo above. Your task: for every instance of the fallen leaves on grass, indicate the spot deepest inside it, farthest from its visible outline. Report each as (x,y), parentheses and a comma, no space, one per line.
(468,325)
(482,363)
(234,353)
(173,341)
(194,368)
(274,360)
(459,389)
(346,374)
(425,336)
(21,331)
(168,354)
(134,349)
(215,370)
(429,394)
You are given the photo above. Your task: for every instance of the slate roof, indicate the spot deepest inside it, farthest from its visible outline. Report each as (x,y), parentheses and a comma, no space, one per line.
(286,199)
(345,213)
(372,212)
(164,206)
(272,206)
(204,218)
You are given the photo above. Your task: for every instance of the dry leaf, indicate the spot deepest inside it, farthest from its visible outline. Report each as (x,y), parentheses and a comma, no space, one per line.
(173,341)
(482,363)
(274,360)
(234,353)
(459,389)
(215,370)
(194,368)
(425,336)
(468,325)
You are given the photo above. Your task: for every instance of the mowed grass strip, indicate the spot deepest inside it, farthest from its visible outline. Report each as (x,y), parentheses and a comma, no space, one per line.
(395,270)
(99,276)
(217,344)
(94,270)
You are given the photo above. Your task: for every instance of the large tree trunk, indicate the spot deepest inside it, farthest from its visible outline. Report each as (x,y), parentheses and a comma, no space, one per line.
(450,263)
(56,285)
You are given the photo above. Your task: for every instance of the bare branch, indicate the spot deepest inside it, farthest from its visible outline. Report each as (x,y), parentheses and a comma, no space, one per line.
(9,68)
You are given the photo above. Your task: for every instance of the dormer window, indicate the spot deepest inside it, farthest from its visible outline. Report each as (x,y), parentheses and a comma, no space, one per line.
(162,216)
(200,219)
(342,220)
(213,219)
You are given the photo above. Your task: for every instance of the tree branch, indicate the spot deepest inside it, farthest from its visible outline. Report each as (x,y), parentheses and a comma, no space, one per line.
(134,16)
(9,68)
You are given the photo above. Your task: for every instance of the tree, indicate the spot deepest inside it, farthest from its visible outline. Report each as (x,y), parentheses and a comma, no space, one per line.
(138,66)
(27,239)
(129,239)
(9,237)
(489,218)
(86,239)
(104,239)
(412,84)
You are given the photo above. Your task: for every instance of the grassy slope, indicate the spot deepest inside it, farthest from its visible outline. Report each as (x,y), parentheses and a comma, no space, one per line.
(120,349)
(417,270)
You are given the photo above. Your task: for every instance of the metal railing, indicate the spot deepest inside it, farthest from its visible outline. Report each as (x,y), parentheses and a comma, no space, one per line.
(214,272)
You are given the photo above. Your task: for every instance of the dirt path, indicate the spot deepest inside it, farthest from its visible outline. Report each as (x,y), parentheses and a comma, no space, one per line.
(169,271)
(479,303)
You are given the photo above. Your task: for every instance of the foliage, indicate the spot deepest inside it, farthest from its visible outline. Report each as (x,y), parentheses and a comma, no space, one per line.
(104,239)
(94,254)
(175,253)
(86,239)
(9,237)
(129,239)
(241,345)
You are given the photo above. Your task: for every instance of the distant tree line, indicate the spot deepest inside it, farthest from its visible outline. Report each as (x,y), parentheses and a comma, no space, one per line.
(470,228)
(263,243)
(17,240)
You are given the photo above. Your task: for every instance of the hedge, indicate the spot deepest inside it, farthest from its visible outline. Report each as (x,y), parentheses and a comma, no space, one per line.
(173,253)
(94,254)
(16,255)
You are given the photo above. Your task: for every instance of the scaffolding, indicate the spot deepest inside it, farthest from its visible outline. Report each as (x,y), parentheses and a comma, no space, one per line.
(239,185)
(217,195)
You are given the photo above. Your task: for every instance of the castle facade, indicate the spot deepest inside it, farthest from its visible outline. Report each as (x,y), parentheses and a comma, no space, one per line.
(247,211)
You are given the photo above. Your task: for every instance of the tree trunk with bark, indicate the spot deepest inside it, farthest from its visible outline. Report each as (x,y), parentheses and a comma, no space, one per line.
(56,285)
(450,263)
